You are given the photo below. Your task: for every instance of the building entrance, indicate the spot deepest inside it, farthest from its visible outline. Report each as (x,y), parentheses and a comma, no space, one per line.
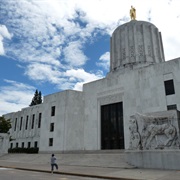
(112,128)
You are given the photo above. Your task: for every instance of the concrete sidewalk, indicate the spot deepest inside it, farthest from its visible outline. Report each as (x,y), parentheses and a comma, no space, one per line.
(107,165)
(98,172)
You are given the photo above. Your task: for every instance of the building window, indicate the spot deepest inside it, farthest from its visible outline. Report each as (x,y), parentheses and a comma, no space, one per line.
(27,117)
(22,145)
(39,122)
(35,144)
(11,145)
(29,144)
(50,141)
(21,123)
(33,118)
(172,107)
(16,145)
(53,111)
(51,127)
(15,124)
(169,87)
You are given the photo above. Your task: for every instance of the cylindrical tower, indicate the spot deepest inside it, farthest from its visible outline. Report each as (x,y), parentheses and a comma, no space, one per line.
(136,43)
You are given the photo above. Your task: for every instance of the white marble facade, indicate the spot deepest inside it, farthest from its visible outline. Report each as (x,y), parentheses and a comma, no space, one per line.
(136,78)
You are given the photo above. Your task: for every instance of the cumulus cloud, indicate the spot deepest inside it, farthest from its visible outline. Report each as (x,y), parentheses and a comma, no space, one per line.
(80,74)
(43,72)
(50,33)
(14,96)
(68,79)
(48,28)
(104,61)
(73,54)
(4,33)
(80,77)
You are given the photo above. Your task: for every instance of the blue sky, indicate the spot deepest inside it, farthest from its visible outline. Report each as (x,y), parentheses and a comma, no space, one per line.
(53,45)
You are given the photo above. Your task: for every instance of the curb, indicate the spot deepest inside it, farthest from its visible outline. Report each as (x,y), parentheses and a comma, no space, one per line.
(72,174)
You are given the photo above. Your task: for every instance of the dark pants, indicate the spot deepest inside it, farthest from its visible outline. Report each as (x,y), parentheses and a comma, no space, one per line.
(52,166)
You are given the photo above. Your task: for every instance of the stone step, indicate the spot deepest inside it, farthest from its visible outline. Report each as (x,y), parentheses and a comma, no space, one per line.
(95,158)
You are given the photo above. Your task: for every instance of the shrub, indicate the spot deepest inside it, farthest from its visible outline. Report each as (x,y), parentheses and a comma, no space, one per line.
(31,150)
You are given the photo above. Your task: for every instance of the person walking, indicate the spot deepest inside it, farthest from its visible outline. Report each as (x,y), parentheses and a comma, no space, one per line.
(53,163)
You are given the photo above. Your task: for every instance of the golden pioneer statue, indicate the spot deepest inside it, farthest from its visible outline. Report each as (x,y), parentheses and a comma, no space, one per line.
(133,13)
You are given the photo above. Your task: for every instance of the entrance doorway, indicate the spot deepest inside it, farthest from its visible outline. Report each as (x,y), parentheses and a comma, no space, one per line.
(112,128)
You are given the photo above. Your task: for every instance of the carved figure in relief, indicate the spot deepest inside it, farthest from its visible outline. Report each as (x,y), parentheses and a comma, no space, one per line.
(135,138)
(148,132)
(152,131)
(133,13)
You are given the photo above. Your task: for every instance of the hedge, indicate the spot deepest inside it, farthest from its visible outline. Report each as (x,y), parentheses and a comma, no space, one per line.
(23,150)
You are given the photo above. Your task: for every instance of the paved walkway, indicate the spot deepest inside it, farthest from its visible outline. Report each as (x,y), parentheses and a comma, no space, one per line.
(122,173)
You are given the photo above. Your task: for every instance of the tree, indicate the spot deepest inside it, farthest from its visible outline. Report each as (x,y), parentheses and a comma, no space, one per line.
(5,125)
(37,99)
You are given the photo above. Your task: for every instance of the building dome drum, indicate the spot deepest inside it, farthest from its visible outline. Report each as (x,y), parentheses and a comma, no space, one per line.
(136,43)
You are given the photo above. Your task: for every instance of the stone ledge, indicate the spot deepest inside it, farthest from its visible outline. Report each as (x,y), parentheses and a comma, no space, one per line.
(154,159)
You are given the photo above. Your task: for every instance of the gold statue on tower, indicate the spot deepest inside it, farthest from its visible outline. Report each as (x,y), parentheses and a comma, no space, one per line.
(133,13)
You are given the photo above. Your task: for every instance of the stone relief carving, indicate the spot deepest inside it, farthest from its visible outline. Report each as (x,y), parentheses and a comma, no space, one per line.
(149,51)
(140,50)
(152,131)
(135,138)
(123,53)
(155,133)
(132,51)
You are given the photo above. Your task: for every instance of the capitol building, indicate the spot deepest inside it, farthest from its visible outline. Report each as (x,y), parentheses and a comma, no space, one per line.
(139,81)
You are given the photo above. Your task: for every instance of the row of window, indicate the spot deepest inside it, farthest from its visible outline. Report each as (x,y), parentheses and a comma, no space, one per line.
(22,145)
(27,122)
(29,145)
(33,120)
(35,143)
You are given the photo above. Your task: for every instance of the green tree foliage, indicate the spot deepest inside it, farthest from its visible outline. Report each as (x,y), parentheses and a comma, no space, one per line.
(5,125)
(37,99)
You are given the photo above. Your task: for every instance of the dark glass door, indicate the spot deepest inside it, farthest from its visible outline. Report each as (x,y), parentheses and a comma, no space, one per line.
(112,129)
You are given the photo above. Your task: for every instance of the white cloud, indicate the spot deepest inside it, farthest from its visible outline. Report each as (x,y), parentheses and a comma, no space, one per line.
(15,96)
(48,26)
(78,77)
(78,86)
(43,72)
(80,74)
(104,61)
(74,55)
(164,14)
(37,38)
(4,33)
(68,79)
(47,33)
(1,46)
